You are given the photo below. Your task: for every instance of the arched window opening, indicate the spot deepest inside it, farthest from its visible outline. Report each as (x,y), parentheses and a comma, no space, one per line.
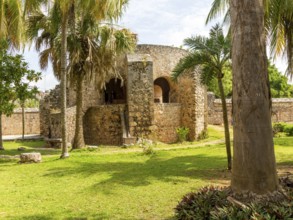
(158,94)
(115,92)
(161,90)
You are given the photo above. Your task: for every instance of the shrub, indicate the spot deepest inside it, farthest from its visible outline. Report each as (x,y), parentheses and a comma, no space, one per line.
(288,129)
(198,205)
(182,133)
(278,127)
(212,203)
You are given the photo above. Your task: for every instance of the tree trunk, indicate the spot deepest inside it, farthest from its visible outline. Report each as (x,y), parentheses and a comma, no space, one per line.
(64,24)
(226,123)
(1,140)
(78,141)
(254,166)
(23,125)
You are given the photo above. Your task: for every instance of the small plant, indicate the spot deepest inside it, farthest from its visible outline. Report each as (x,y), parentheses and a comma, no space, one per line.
(182,133)
(147,146)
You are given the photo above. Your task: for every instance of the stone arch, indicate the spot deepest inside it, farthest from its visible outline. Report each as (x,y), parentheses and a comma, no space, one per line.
(162,90)
(115,92)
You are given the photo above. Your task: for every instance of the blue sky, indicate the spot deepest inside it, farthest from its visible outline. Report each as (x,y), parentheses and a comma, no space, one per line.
(165,22)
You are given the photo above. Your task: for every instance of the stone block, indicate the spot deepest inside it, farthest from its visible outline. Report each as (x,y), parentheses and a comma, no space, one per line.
(30,158)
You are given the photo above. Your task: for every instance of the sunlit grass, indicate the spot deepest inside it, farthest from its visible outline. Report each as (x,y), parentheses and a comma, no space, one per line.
(113,183)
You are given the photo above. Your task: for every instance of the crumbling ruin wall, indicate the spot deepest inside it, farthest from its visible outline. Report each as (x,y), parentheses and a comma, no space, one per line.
(188,91)
(140,95)
(102,125)
(167,120)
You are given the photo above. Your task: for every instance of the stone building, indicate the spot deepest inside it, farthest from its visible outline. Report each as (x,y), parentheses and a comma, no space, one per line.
(144,103)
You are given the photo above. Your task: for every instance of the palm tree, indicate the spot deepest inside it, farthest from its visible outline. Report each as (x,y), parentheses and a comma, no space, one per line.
(278,22)
(212,54)
(92,56)
(254,166)
(92,47)
(11,22)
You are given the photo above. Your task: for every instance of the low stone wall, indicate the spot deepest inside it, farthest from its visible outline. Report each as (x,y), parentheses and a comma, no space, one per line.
(166,120)
(102,125)
(282,110)
(13,125)
(55,125)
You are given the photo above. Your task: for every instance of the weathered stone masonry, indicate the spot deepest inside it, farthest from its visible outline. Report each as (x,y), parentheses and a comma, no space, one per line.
(145,114)
(13,125)
(282,110)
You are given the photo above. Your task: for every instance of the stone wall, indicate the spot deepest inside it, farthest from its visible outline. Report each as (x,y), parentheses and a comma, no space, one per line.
(12,125)
(102,125)
(140,95)
(282,110)
(192,96)
(167,119)
(55,124)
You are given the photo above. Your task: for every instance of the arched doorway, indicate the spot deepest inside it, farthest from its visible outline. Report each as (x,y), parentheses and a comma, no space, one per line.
(161,90)
(115,92)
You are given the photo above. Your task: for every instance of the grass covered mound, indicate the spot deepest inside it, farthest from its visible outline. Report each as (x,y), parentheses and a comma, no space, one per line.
(216,203)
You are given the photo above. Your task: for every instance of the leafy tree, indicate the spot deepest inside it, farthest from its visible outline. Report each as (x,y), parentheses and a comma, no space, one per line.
(278,83)
(14,73)
(213,55)
(254,166)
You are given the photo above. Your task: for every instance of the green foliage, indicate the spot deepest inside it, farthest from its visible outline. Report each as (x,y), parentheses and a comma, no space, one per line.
(279,83)
(283,127)
(14,79)
(199,205)
(288,129)
(212,203)
(182,133)
(227,83)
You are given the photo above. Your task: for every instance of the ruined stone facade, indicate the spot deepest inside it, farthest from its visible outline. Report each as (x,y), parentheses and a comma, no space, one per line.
(144,103)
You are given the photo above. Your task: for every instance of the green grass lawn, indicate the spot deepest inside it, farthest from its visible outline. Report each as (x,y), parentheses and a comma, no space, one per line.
(108,184)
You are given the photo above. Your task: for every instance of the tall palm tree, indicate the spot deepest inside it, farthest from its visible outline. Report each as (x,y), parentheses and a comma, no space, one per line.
(212,54)
(92,57)
(254,166)
(278,23)
(91,47)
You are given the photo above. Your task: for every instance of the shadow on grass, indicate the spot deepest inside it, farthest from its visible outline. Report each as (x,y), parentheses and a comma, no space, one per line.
(143,173)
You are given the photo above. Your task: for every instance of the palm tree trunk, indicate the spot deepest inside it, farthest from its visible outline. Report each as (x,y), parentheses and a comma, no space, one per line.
(78,141)
(226,123)
(64,24)
(254,166)
(23,125)
(1,140)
